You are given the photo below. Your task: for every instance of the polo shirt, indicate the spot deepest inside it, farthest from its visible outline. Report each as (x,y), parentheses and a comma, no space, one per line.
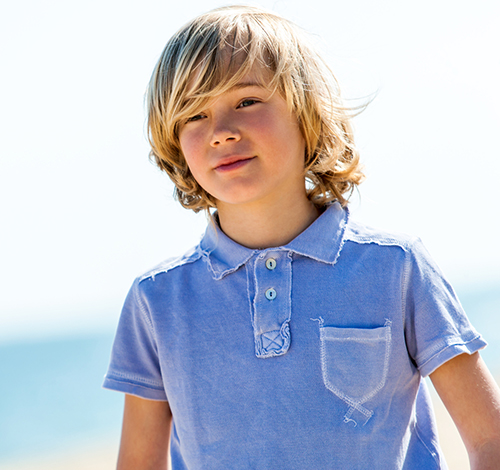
(305,356)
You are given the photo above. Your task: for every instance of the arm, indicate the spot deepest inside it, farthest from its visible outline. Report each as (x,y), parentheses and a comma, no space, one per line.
(472,398)
(145,434)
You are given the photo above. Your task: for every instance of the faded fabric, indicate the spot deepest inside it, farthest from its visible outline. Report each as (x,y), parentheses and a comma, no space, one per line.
(325,372)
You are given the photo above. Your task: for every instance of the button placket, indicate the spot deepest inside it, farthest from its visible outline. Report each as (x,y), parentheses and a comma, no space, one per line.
(271,263)
(270,294)
(272,303)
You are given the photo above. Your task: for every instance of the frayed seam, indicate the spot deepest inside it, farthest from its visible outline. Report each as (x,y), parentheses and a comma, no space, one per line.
(319,320)
(144,310)
(348,416)
(284,333)
(218,275)
(349,420)
(165,266)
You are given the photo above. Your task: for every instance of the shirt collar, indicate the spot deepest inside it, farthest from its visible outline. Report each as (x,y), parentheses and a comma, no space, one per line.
(321,241)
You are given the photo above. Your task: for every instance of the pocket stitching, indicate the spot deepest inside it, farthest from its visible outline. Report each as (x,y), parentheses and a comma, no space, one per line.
(350,401)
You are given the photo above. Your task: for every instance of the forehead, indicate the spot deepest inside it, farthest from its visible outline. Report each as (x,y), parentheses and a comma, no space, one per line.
(237,76)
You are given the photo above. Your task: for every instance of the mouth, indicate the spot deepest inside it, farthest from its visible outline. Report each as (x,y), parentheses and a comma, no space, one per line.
(232,163)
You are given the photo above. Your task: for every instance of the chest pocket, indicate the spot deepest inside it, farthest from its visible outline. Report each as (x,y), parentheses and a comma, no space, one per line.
(354,363)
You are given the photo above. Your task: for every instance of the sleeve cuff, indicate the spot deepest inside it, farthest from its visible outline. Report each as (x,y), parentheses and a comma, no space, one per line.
(449,352)
(135,389)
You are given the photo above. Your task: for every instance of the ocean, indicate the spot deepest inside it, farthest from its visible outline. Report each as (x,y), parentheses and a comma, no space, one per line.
(51,398)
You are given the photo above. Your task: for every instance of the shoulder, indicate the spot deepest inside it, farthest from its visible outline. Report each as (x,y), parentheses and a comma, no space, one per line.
(362,234)
(171,264)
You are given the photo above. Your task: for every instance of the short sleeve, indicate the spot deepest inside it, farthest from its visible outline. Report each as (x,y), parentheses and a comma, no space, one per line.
(436,326)
(134,366)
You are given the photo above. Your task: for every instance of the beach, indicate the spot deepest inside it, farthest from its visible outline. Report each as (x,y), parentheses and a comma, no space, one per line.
(99,457)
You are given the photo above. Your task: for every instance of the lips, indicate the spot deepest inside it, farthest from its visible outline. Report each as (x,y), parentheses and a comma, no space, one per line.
(232,163)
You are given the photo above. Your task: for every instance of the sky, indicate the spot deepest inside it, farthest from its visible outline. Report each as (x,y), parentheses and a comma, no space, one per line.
(84,212)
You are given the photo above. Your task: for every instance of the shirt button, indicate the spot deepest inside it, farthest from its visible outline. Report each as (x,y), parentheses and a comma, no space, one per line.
(270,294)
(270,264)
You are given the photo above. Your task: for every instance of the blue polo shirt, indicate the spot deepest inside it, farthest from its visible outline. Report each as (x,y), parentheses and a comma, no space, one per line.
(305,356)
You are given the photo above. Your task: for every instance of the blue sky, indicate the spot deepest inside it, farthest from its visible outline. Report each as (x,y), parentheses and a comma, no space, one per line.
(83,211)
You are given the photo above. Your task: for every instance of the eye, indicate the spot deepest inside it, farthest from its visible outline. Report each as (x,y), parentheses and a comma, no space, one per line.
(247,102)
(195,118)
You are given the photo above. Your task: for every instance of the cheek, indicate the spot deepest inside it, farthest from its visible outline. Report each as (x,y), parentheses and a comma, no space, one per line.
(295,140)
(190,147)
(291,143)
(280,131)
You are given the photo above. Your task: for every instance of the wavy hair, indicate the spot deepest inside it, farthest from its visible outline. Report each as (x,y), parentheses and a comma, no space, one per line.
(213,52)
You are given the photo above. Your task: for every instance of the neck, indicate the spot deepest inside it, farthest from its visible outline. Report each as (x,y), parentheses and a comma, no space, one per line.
(259,227)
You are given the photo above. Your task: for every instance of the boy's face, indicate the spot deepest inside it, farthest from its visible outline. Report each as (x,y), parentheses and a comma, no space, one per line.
(245,147)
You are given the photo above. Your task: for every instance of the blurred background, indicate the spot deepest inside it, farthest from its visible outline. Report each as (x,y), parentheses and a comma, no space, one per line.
(84,212)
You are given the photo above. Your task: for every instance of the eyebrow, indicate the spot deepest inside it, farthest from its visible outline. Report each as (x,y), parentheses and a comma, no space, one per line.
(240,85)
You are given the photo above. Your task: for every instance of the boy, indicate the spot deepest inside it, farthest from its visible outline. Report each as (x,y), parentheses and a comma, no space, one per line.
(291,337)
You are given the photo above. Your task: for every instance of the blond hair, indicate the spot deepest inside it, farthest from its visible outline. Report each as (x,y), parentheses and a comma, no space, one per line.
(213,52)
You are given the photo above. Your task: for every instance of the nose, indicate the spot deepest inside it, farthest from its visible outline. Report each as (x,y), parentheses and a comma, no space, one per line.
(224,132)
